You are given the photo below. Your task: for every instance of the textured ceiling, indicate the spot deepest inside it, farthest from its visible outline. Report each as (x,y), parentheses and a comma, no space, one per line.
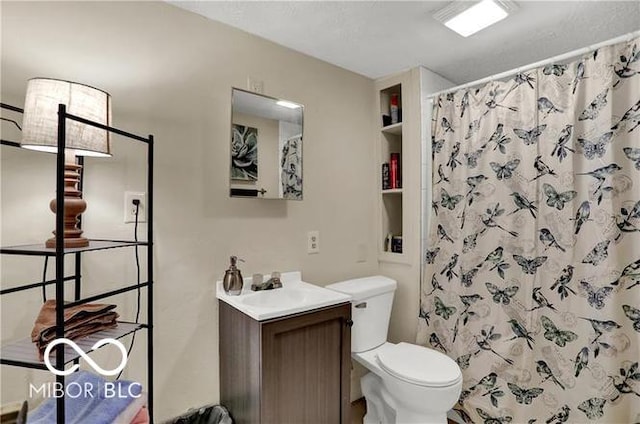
(383,37)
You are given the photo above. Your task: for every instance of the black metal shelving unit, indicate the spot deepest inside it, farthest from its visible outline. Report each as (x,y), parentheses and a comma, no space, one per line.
(22,353)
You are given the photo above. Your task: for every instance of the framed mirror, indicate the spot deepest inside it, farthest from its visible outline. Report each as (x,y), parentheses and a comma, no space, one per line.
(266,147)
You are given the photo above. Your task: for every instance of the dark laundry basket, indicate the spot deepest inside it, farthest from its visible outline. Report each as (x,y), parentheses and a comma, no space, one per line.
(213,414)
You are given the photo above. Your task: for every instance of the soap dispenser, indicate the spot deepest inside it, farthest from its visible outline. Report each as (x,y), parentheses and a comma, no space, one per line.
(233,281)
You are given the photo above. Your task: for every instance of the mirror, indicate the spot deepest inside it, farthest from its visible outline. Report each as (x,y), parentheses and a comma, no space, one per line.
(266,147)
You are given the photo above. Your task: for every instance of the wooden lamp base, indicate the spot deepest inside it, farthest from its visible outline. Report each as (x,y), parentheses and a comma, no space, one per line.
(74,205)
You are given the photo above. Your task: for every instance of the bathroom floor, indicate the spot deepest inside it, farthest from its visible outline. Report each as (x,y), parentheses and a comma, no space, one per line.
(359,409)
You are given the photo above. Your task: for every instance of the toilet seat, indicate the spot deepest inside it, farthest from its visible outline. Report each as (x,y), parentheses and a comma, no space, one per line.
(419,365)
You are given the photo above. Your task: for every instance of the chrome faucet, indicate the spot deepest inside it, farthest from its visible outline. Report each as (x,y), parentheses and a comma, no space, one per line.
(272,283)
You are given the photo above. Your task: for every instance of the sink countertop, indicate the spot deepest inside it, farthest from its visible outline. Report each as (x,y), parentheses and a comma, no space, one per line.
(294,297)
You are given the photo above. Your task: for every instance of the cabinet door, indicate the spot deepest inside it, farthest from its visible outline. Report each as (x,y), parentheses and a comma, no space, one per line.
(239,364)
(305,368)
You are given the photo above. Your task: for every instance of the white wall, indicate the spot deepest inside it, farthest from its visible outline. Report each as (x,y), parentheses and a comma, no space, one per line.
(170,73)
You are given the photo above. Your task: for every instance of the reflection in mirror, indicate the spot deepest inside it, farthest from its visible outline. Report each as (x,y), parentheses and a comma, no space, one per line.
(266,147)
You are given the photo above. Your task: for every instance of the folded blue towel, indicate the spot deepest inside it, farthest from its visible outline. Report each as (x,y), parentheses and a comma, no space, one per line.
(101,404)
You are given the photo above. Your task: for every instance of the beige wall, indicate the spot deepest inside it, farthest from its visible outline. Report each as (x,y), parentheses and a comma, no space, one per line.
(170,74)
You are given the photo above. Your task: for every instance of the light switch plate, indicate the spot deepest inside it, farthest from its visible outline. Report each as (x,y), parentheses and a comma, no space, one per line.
(313,242)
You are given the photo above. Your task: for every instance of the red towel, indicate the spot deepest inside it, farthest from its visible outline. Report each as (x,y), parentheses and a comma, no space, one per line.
(142,417)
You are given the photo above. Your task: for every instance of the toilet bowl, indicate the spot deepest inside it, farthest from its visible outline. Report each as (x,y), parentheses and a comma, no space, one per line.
(407,383)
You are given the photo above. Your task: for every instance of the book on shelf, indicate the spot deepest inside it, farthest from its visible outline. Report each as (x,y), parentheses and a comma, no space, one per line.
(394,171)
(394,109)
(386,180)
(396,244)
(393,243)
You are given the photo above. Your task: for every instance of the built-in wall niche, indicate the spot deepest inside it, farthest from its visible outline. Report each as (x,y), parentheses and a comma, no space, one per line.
(392,222)
(391,165)
(266,147)
(391,155)
(391,107)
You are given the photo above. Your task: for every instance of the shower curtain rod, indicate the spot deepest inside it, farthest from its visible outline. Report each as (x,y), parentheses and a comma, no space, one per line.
(554,59)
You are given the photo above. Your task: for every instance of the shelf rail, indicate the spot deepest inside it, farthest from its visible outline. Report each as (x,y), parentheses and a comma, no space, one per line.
(13,109)
(35,285)
(106,294)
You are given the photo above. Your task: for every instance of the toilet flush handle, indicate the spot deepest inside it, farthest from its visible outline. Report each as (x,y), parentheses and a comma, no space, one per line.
(361,305)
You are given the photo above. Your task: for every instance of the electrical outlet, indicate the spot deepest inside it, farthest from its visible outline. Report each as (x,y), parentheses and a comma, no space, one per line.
(257,86)
(313,242)
(130,207)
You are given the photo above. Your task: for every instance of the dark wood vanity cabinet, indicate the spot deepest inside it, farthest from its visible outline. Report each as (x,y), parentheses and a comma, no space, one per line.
(289,370)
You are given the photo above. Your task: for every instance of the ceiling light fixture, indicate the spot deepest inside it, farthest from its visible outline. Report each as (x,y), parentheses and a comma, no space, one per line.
(290,105)
(467,20)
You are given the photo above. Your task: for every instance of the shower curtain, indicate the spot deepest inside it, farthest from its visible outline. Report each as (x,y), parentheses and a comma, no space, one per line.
(291,168)
(531,275)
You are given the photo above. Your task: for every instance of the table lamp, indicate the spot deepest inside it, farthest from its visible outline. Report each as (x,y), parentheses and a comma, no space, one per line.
(40,132)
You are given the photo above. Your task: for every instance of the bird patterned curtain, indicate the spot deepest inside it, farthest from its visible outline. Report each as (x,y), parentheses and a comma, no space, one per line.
(531,275)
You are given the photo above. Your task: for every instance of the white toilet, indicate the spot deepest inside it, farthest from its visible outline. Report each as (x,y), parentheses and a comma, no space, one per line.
(407,383)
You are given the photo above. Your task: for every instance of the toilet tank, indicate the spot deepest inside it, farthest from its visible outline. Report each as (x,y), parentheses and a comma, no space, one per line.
(371,301)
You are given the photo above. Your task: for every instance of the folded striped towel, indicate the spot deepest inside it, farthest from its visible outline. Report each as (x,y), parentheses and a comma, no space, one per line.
(97,406)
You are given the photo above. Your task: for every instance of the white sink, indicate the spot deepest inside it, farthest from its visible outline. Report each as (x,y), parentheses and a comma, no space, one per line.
(295,296)
(276,298)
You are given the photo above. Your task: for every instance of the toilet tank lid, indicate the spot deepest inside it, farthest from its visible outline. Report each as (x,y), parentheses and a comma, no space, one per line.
(363,288)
